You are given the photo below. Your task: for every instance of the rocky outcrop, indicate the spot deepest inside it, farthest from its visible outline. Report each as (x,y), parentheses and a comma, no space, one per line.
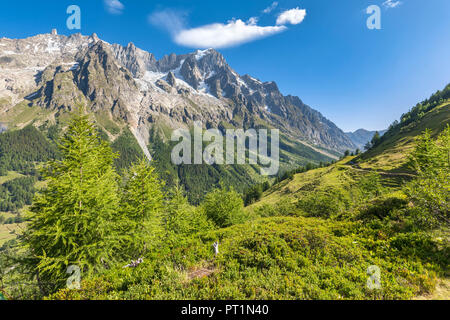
(104,82)
(137,61)
(191,73)
(171,80)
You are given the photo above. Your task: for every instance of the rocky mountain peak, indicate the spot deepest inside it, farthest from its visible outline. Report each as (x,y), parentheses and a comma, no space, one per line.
(169,62)
(95,37)
(137,61)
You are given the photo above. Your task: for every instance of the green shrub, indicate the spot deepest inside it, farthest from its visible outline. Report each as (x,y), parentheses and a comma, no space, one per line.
(224,207)
(324,204)
(370,186)
(381,208)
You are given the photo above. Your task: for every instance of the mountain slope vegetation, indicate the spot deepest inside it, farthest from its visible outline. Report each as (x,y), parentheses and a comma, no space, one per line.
(391,151)
(342,231)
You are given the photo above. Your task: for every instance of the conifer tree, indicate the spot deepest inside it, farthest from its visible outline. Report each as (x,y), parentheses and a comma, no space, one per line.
(181,218)
(141,204)
(224,207)
(430,191)
(376,139)
(74,220)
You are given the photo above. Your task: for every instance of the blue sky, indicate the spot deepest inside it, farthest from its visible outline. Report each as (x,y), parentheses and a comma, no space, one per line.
(358,78)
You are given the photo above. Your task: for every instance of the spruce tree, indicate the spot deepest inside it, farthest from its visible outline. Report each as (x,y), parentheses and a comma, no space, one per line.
(376,139)
(74,221)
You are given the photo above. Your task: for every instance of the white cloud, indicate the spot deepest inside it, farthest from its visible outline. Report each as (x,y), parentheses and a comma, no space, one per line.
(391,3)
(114,6)
(270,8)
(293,16)
(220,35)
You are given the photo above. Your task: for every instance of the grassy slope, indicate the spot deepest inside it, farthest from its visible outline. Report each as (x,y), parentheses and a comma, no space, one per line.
(391,155)
(8,232)
(10,176)
(388,159)
(291,190)
(22,115)
(293,257)
(271,258)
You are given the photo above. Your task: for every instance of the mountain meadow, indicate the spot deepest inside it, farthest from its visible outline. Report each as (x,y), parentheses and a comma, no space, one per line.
(86,216)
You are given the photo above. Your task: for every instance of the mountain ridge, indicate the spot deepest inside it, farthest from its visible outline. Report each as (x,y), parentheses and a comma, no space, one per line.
(361,137)
(52,71)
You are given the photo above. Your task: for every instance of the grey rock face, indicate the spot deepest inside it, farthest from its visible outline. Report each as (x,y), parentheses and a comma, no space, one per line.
(137,61)
(171,80)
(191,73)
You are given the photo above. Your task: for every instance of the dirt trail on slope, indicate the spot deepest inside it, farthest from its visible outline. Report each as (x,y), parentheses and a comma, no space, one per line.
(383,173)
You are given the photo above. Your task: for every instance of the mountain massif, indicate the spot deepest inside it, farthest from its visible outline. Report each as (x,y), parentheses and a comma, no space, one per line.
(43,76)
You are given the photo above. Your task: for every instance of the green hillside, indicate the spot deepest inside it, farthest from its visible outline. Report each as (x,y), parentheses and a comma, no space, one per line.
(322,233)
(390,153)
(271,258)
(311,236)
(388,159)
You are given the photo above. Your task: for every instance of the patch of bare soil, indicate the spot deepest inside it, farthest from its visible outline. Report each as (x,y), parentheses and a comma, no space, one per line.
(442,291)
(201,272)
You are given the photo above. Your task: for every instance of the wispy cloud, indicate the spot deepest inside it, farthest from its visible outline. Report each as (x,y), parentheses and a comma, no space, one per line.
(293,16)
(391,4)
(270,8)
(114,6)
(174,21)
(221,35)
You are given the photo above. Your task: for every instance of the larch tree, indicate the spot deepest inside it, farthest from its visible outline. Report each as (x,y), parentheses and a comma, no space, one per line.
(75,220)
(141,204)
(430,191)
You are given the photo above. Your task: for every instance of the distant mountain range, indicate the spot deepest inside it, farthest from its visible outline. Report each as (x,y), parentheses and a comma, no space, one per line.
(129,86)
(361,137)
